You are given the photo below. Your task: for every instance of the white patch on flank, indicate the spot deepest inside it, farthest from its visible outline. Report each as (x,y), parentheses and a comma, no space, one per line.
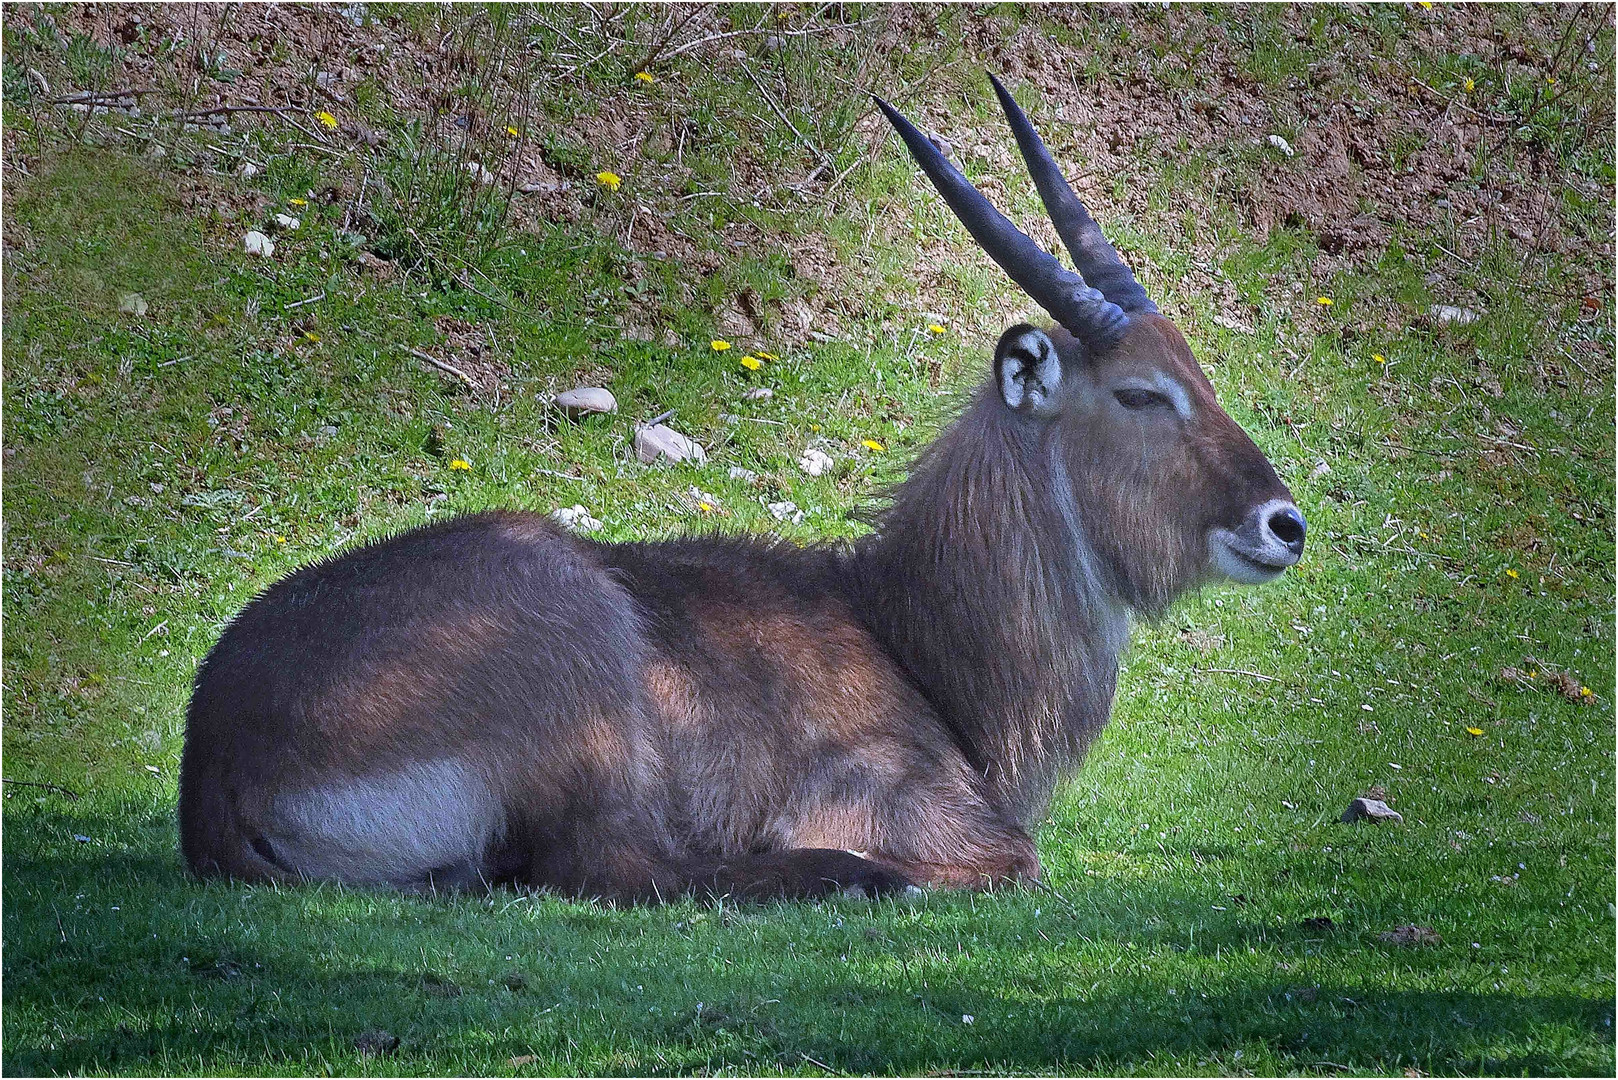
(387,827)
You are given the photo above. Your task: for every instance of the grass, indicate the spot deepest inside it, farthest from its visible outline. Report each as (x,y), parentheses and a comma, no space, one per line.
(160,470)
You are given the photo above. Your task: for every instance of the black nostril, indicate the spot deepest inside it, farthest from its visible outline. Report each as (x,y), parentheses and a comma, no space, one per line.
(1289,527)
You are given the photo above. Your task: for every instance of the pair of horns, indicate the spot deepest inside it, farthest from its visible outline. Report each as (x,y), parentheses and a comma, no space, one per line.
(1096,303)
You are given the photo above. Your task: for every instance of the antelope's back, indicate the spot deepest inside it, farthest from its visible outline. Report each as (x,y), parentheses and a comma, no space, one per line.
(468,642)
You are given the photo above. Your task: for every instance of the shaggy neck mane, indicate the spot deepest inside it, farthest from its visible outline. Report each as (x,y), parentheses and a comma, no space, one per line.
(980,581)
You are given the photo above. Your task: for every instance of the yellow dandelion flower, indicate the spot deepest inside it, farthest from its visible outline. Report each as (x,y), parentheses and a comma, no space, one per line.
(765,355)
(1426,5)
(1550,80)
(1323,301)
(327,120)
(1533,674)
(297,202)
(783,15)
(280,539)
(934,328)
(718,346)
(513,132)
(1474,731)
(814,427)
(752,363)
(1512,574)
(312,336)
(1585,691)
(706,508)
(645,77)
(1469,85)
(609,180)
(460,463)
(872,444)
(1379,358)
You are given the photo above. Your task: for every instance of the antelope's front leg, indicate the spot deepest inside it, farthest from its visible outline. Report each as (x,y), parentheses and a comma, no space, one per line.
(987,869)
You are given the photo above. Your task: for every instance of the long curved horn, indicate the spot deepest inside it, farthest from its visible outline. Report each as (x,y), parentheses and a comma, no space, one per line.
(1084,311)
(1096,259)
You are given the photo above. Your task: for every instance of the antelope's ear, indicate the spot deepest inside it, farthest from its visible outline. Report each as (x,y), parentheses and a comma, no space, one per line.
(1028,370)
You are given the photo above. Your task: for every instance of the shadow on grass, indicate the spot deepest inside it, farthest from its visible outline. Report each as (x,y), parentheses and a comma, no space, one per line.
(116,961)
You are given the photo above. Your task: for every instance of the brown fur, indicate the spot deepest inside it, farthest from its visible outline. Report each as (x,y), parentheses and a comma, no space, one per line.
(490,699)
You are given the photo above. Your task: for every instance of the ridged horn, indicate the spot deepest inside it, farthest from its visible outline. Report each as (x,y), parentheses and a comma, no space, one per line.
(1096,259)
(1084,311)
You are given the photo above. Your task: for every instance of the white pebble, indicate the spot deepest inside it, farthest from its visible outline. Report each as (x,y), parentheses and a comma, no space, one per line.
(256,243)
(1449,313)
(575,518)
(1281,145)
(815,462)
(664,443)
(582,400)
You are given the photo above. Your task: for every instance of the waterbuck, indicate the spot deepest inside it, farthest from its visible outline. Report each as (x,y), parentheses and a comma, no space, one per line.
(491,699)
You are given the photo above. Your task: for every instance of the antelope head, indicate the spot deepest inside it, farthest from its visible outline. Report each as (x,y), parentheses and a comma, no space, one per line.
(1162,489)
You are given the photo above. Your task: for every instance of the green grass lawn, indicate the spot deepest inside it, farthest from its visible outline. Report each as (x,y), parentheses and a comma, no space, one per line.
(1448,638)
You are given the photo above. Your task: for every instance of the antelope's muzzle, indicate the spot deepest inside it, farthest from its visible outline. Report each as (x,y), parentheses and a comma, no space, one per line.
(1268,541)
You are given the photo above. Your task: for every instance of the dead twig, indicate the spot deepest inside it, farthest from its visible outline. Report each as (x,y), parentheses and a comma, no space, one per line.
(101,95)
(226,110)
(662,42)
(1490,117)
(811,147)
(1238,671)
(699,42)
(57,788)
(450,368)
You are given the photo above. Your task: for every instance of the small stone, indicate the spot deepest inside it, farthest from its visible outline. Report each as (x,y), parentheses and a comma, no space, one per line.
(659,442)
(1320,469)
(968,1018)
(256,243)
(1449,313)
(1410,935)
(758,393)
(747,476)
(575,518)
(785,511)
(1281,144)
(374,264)
(249,170)
(1372,810)
(584,400)
(376,1042)
(132,303)
(287,223)
(479,173)
(815,462)
(1232,324)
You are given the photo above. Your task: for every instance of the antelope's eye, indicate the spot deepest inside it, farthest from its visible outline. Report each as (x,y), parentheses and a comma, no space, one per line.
(1134,397)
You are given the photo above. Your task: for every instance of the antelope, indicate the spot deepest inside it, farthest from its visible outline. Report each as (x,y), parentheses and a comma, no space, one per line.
(491,700)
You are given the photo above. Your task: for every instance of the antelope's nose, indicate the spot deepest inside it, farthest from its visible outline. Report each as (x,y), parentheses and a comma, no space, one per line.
(1286,524)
